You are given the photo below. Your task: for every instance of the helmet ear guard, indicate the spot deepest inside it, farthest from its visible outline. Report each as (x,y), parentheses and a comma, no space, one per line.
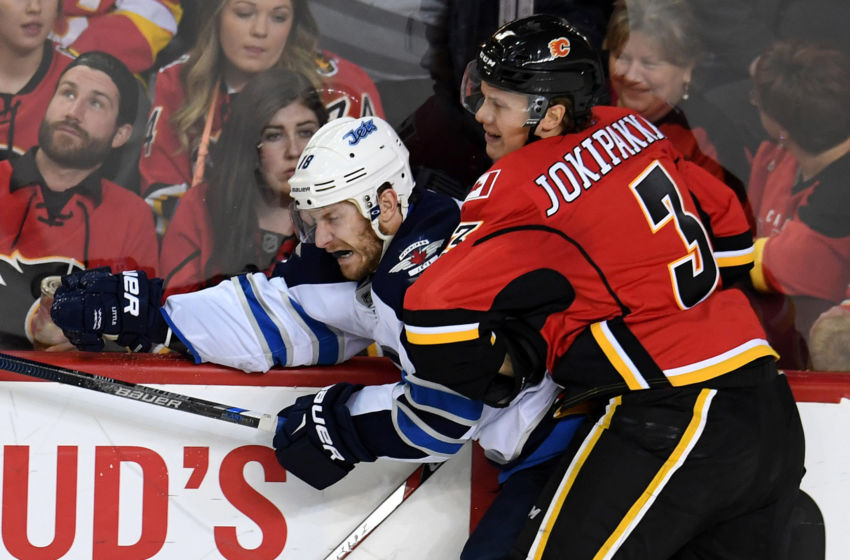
(350,160)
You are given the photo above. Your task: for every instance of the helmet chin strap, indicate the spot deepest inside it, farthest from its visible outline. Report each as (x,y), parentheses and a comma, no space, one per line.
(531,136)
(533,124)
(387,238)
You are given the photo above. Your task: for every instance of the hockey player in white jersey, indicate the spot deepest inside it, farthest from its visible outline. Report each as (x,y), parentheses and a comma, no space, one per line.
(372,234)
(366,234)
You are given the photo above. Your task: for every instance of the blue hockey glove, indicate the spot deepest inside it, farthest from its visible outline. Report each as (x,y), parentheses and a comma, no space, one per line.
(316,439)
(93,303)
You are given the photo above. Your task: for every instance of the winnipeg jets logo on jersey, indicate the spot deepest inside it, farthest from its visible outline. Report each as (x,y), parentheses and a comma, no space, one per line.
(418,256)
(484,185)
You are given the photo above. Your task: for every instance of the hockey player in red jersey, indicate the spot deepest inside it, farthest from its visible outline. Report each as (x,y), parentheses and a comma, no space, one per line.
(192,95)
(30,65)
(592,252)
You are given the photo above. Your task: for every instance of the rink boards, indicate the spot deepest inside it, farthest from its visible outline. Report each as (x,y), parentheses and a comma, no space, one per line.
(88,475)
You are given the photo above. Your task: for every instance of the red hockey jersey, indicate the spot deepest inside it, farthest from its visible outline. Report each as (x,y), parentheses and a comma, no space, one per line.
(609,245)
(134,31)
(166,169)
(21,113)
(188,246)
(97,223)
(803,226)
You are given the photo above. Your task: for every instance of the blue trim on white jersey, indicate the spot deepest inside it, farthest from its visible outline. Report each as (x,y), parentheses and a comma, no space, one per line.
(268,328)
(454,404)
(183,339)
(328,339)
(421,439)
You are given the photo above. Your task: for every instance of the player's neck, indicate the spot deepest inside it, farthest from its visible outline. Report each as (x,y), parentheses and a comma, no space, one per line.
(59,178)
(17,69)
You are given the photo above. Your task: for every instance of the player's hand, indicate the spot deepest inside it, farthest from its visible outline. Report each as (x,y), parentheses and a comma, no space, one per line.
(94,303)
(316,440)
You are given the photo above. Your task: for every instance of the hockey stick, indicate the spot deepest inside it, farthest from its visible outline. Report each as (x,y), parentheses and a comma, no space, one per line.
(391,503)
(142,393)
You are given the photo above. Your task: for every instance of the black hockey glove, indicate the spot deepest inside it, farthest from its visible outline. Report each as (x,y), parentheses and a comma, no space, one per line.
(316,439)
(93,303)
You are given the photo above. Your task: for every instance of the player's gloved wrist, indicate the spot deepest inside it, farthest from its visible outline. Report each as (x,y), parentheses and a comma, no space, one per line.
(316,439)
(94,303)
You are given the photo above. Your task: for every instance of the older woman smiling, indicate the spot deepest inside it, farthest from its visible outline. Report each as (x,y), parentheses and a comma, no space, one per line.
(653,49)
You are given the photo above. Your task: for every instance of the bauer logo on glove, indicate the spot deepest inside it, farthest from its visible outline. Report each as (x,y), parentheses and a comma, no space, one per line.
(131,292)
(96,303)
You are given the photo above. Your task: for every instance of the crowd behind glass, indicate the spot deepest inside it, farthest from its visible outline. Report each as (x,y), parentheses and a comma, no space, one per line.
(230,91)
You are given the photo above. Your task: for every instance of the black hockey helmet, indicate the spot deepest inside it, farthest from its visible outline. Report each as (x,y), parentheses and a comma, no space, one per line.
(542,56)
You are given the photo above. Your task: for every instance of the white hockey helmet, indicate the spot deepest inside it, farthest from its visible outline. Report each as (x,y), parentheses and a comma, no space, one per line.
(349,160)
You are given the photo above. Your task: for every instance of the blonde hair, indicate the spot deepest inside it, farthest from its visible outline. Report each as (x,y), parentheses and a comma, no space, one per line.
(669,22)
(202,73)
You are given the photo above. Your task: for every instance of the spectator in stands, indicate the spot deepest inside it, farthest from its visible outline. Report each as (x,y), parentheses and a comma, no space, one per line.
(733,34)
(653,48)
(238,39)
(134,31)
(239,219)
(798,187)
(29,68)
(58,212)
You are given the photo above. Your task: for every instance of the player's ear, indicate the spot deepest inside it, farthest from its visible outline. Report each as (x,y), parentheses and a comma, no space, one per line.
(390,217)
(388,201)
(552,122)
(122,134)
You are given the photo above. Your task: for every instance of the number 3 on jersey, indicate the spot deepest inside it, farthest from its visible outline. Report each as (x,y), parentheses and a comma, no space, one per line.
(695,275)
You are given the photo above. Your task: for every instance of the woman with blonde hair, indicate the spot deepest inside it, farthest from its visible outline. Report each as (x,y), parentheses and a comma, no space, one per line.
(653,47)
(239,39)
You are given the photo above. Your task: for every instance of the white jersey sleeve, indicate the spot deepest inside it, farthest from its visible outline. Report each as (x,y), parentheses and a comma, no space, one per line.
(253,323)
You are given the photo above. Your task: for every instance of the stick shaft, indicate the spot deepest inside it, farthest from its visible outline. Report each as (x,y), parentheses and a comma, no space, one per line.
(383,510)
(136,392)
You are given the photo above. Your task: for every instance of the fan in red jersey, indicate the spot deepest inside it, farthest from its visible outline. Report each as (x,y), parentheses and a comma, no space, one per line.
(239,220)
(192,95)
(30,65)
(654,46)
(594,254)
(133,31)
(59,213)
(798,186)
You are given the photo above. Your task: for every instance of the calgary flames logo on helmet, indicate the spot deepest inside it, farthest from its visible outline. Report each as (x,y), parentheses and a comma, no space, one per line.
(559,47)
